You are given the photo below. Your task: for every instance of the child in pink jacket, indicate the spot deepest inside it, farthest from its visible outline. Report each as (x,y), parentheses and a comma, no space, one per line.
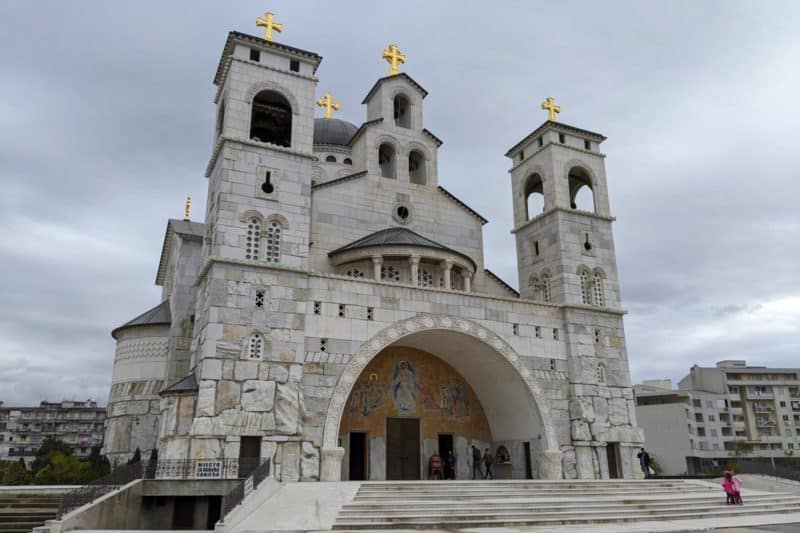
(732,486)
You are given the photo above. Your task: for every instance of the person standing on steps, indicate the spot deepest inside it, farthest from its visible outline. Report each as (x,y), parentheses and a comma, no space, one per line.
(644,462)
(487,463)
(450,465)
(476,463)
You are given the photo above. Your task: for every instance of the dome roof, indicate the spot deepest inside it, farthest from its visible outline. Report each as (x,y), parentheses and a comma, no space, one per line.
(333,131)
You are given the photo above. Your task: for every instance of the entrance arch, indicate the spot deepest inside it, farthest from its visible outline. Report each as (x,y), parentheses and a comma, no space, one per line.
(511,398)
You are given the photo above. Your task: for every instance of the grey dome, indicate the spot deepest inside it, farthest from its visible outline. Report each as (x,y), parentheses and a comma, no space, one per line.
(333,131)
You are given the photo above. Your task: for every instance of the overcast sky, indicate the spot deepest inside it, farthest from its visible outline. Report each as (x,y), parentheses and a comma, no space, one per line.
(106,121)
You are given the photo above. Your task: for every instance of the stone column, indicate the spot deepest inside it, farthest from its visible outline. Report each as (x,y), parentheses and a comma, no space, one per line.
(467,280)
(414,262)
(549,463)
(330,468)
(447,266)
(377,263)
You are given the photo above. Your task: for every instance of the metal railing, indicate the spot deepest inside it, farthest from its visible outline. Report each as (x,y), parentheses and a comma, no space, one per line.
(99,487)
(242,489)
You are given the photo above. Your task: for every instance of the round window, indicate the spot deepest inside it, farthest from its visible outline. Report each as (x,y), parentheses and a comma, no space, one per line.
(402,212)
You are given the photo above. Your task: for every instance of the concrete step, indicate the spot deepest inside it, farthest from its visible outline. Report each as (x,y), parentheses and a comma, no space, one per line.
(480,495)
(401,508)
(566,518)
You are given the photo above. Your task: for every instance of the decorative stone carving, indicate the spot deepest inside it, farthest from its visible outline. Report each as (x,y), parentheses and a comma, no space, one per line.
(290,461)
(569,463)
(287,408)
(581,409)
(258,395)
(309,462)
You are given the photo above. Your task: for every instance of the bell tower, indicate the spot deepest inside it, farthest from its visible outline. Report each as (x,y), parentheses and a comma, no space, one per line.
(562,220)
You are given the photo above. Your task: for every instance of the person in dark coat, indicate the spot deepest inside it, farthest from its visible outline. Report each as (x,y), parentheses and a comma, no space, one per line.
(644,462)
(450,465)
(488,460)
(476,463)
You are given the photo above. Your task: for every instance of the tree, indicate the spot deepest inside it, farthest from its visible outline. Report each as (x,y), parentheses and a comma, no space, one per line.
(14,473)
(49,447)
(63,469)
(98,464)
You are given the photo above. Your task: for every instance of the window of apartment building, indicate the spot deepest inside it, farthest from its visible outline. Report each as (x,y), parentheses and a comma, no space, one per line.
(701,444)
(741,433)
(795,406)
(697,403)
(713,432)
(715,446)
(711,418)
(709,404)
(785,418)
(701,432)
(736,404)
(733,389)
(783,404)
(722,404)
(790,445)
(698,417)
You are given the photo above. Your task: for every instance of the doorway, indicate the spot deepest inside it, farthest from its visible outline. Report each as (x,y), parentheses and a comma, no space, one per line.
(183,512)
(358,456)
(249,455)
(445,447)
(402,448)
(612,453)
(528,464)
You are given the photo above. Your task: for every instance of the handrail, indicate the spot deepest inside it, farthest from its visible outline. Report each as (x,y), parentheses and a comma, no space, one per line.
(87,493)
(242,489)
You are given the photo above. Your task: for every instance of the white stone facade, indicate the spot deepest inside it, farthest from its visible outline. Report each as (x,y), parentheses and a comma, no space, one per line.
(289,310)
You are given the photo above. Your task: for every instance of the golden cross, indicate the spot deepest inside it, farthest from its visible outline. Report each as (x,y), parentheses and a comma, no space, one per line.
(187,208)
(393,56)
(328,103)
(270,24)
(551,107)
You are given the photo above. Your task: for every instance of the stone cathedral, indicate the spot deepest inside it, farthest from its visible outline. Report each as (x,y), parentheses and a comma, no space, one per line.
(333,314)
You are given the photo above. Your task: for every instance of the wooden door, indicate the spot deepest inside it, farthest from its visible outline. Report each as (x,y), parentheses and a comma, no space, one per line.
(402,448)
(249,455)
(612,453)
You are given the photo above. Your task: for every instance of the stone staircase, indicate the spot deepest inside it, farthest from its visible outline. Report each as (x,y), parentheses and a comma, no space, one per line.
(21,512)
(466,504)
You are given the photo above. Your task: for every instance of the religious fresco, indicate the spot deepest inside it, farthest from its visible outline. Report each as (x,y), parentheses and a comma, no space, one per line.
(367,396)
(405,387)
(406,382)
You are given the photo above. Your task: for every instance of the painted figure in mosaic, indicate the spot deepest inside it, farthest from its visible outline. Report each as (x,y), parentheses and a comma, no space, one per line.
(405,387)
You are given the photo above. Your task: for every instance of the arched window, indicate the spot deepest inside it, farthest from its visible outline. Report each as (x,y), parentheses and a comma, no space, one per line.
(597,288)
(545,284)
(330,159)
(386,160)
(417,171)
(402,111)
(347,161)
(425,277)
(581,194)
(255,346)
(537,288)
(271,119)
(273,237)
(253,240)
(586,294)
(601,373)
(534,196)
(390,273)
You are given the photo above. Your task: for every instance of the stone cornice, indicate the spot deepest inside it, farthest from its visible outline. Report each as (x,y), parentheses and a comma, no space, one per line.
(259,65)
(313,273)
(557,126)
(222,139)
(569,211)
(551,143)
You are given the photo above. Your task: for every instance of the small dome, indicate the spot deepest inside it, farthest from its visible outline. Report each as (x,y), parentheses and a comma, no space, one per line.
(333,131)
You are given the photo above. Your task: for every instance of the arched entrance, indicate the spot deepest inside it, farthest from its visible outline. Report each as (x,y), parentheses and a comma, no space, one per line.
(511,400)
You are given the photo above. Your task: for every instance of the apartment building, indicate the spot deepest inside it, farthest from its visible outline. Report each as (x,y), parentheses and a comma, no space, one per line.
(23,429)
(716,414)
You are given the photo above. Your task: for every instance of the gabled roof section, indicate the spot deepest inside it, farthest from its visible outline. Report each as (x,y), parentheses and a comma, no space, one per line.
(462,204)
(362,128)
(157,316)
(234,36)
(396,237)
(499,280)
(558,126)
(410,80)
(187,384)
(436,139)
(186,229)
(334,181)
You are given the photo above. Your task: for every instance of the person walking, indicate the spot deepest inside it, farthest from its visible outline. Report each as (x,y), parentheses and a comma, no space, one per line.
(487,464)
(450,465)
(476,462)
(732,485)
(644,462)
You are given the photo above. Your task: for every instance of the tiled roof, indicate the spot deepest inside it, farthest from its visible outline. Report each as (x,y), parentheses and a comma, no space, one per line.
(158,315)
(395,76)
(396,237)
(187,384)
